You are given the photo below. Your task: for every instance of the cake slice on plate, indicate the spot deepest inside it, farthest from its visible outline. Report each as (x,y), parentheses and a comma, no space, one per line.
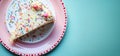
(30,17)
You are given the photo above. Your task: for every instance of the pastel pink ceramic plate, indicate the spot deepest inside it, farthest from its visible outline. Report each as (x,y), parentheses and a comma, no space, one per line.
(39,48)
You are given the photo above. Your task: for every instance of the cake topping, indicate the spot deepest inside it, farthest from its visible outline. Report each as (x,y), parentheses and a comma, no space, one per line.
(37,6)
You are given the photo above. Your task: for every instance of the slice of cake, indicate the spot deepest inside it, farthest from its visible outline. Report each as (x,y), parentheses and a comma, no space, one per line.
(29,17)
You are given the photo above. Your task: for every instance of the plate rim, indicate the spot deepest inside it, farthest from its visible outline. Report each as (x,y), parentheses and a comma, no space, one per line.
(54,45)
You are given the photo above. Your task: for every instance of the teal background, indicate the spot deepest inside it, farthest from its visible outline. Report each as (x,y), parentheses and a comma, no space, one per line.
(93,29)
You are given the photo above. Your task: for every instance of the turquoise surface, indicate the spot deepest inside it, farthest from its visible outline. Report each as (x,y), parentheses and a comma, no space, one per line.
(93,29)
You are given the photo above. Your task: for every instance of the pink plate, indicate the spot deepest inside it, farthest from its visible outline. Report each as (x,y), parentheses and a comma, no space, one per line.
(39,48)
